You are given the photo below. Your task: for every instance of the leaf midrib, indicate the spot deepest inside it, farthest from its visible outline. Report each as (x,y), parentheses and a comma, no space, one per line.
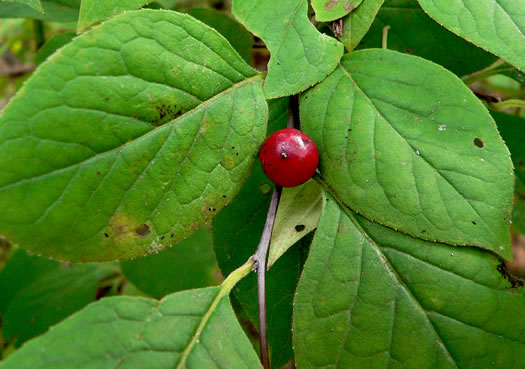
(151,132)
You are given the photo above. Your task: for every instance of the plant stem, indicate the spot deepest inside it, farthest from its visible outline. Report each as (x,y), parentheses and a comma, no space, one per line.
(385,37)
(293,121)
(40,38)
(260,266)
(483,73)
(511,103)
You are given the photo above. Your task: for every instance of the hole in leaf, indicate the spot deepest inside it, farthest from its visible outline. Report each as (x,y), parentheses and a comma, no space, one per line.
(300,227)
(478,142)
(143,230)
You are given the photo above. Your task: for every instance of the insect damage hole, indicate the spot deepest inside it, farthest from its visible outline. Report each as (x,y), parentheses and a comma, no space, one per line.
(143,231)
(300,227)
(478,142)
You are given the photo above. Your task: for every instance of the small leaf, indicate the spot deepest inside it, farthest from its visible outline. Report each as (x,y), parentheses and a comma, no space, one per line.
(297,215)
(329,10)
(93,11)
(188,264)
(49,293)
(300,55)
(415,151)
(189,329)
(370,297)
(236,34)
(494,25)
(357,24)
(52,45)
(54,10)
(35,4)
(412,31)
(141,128)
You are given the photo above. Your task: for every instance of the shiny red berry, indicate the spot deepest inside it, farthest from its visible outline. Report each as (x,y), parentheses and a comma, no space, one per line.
(289,157)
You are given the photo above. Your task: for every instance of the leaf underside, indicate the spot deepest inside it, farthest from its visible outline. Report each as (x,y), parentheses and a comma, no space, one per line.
(417,152)
(53,10)
(370,297)
(114,148)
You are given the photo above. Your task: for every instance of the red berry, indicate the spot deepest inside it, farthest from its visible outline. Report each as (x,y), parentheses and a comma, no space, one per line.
(289,157)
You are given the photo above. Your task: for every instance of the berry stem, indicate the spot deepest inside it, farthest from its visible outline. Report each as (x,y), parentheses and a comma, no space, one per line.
(260,266)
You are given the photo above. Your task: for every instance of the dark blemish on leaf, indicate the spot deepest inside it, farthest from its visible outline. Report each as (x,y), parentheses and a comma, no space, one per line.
(98,172)
(265,188)
(473,222)
(349,7)
(514,281)
(172,235)
(224,196)
(166,114)
(300,227)
(478,142)
(106,98)
(106,235)
(409,50)
(143,230)
(331,4)
(233,147)
(236,154)
(423,231)
(161,237)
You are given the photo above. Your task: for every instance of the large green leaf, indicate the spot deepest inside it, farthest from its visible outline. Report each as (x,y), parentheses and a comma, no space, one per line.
(37,293)
(189,329)
(370,297)
(512,129)
(495,25)
(93,11)
(188,264)
(357,24)
(329,10)
(237,230)
(235,33)
(298,214)
(54,10)
(35,4)
(300,55)
(412,31)
(128,139)
(415,151)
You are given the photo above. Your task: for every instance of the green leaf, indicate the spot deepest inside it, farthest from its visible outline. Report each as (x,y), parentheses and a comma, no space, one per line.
(35,4)
(518,212)
(412,31)
(48,293)
(297,215)
(54,10)
(497,26)
(357,24)
(237,230)
(300,55)
(415,151)
(189,329)
(52,45)
(188,264)
(329,10)
(21,270)
(370,297)
(512,129)
(128,139)
(236,34)
(94,11)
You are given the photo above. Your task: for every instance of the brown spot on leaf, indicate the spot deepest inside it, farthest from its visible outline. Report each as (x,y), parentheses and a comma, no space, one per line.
(331,4)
